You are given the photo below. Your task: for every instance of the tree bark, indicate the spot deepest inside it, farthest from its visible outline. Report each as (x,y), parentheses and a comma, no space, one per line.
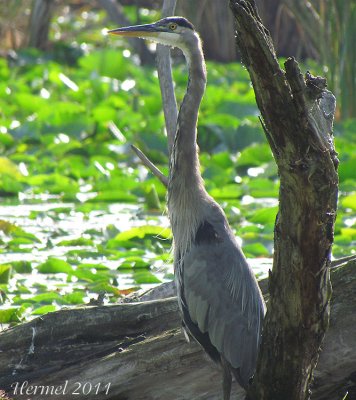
(41,14)
(297,117)
(214,22)
(139,349)
(286,29)
(306,15)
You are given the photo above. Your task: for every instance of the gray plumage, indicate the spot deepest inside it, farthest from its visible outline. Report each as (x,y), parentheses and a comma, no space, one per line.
(219,298)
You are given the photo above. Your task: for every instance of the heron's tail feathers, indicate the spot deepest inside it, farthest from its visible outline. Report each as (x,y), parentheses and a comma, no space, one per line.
(239,379)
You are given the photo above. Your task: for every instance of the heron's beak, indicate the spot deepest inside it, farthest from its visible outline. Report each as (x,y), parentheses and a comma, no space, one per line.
(141,31)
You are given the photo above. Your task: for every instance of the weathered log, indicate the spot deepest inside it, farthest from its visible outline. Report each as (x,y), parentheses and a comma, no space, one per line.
(137,351)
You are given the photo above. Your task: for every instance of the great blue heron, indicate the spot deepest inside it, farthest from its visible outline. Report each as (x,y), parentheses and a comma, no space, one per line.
(219,298)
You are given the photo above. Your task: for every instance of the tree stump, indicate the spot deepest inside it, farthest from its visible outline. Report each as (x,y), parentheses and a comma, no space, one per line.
(297,117)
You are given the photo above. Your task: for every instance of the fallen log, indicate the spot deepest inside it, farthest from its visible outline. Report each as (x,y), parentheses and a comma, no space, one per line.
(137,351)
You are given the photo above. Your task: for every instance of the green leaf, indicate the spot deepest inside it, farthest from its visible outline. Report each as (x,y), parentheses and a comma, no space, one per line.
(140,232)
(22,267)
(5,273)
(264,216)
(22,289)
(10,186)
(152,200)
(255,155)
(60,149)
(30,103)
(216,175)
(16,243)
(54,183)
(134,262)
(256,250)
(93,266)
(261,187)
(223,160)
(76,242)
(247,229)
(116,195)
(55,266)
(45,298)
(223,119)
(250,235)
(99,287)
(16,232)
(349,201)
(89,276)
(10,315)
(349,232)
(73,298)
(104,113)
(44,310)
(144,276)
(232,191)
(106,62)
(83,253)
(347,169)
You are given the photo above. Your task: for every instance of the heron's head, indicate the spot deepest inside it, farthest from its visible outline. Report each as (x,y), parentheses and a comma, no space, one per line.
(171,31)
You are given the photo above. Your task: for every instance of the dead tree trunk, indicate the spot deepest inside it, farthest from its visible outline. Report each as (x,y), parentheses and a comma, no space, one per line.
(40,21)
(297,117)
(137,351)
(214,22)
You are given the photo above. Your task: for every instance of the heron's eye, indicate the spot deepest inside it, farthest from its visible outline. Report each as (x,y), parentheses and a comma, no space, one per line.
(173,26)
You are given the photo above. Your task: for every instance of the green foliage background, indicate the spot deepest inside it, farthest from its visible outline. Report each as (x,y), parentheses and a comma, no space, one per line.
(80,215)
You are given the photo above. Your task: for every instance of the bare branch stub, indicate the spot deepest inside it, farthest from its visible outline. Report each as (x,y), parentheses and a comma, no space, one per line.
(298,114)
(149,165)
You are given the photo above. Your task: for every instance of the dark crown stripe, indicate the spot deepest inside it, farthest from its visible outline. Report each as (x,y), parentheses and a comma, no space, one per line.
(180,21)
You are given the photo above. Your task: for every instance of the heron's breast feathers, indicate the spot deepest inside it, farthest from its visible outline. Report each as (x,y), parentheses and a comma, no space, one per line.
(187,211)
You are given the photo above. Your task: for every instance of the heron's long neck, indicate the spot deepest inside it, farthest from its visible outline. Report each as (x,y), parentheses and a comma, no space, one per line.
(185,189)
(185,161)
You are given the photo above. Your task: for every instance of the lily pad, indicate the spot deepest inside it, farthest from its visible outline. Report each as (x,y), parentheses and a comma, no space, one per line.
(55,266)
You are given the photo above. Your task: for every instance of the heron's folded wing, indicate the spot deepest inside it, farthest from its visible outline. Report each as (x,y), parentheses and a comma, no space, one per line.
(223,299)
